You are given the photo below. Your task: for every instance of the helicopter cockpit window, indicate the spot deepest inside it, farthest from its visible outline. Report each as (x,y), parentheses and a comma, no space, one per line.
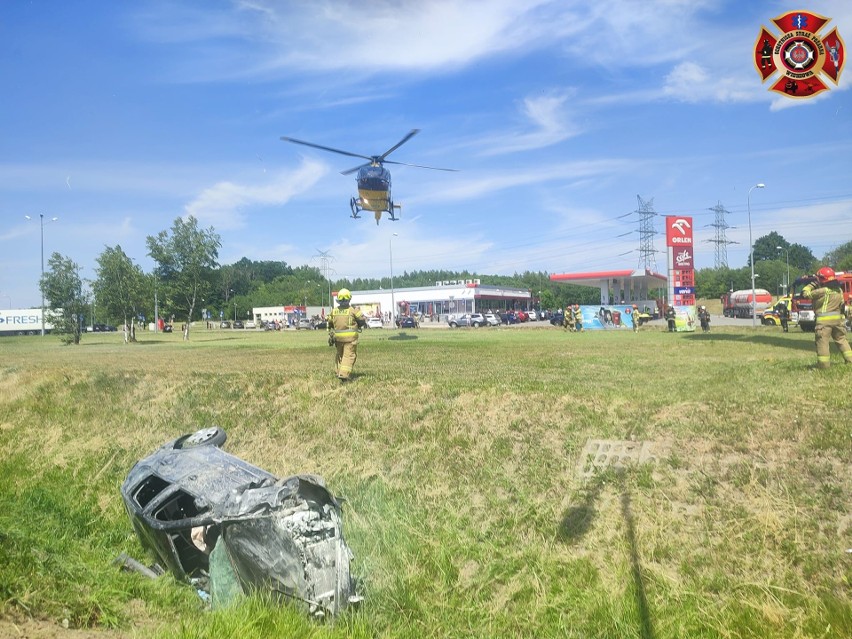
(373,183)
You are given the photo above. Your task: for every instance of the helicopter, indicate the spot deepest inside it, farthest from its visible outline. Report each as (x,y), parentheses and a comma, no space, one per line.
(374,180)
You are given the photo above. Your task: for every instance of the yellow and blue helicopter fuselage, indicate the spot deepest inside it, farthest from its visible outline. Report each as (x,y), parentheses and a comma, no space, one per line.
(374,194)
(374,183)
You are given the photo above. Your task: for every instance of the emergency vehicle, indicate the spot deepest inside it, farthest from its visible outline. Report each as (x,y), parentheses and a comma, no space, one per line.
(802,309)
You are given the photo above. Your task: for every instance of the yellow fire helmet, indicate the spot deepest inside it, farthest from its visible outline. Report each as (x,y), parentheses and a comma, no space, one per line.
(344,294)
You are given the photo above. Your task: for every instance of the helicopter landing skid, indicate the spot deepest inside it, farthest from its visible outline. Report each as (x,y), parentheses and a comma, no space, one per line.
(353,204)
(391,207)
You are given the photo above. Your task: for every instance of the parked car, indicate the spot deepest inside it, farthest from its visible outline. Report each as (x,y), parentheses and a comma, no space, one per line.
(375,322)
(320,324)
(557,318)
(101,328)
(522,316)
(304,323)
(406,321)
(532,315)
(492,319)
(224,324)
(468,319)
(509,317)
(251,324)
(239,324)
(226,526)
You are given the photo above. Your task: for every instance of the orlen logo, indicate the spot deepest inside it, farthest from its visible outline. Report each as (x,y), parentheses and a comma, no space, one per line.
(681,225)
(678,231)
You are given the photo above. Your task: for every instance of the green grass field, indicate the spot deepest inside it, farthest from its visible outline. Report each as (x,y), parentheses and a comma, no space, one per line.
(459,456)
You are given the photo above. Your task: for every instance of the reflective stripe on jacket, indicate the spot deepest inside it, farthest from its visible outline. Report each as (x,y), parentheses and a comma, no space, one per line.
(828,303)
(343,323)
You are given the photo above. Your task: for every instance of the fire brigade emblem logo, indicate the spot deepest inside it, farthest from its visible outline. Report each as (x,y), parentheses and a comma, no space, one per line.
(800,59)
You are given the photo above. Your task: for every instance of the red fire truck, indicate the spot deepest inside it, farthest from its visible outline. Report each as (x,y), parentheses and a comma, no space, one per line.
(802,309)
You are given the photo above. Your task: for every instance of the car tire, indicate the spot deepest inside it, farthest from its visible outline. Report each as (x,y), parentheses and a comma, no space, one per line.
(453,325)
(212,436)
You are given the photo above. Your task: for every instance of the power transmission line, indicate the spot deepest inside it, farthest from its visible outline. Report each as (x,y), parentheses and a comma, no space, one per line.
(721,242)
(325,257)
(647,254)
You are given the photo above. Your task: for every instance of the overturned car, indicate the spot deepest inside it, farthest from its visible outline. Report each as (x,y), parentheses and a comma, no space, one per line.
(230,527)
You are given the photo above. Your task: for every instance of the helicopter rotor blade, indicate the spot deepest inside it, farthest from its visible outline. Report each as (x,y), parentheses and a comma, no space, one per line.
(327,148)
(408,136)
(360,166)
(419,166)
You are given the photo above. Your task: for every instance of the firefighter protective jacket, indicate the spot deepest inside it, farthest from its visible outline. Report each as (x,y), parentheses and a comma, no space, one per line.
(828,303)
(343,323)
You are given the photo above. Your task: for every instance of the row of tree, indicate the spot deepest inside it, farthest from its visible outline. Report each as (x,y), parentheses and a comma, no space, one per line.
(187,283)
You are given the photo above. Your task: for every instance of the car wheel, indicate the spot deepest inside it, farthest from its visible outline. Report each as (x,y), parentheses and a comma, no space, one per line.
(213,436)
(453,325)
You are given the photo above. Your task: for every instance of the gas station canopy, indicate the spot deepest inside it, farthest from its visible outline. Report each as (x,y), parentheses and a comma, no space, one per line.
(625,286)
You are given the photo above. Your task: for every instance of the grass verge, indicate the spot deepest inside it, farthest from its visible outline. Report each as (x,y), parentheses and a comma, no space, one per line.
(458,454)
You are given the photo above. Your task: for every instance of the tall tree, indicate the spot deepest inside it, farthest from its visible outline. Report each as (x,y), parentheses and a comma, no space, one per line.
(63,290)
(120,288)
(766,247)
(839,258)
(186,260)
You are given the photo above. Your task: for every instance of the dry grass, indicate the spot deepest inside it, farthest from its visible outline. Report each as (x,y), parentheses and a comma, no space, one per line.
(458,454)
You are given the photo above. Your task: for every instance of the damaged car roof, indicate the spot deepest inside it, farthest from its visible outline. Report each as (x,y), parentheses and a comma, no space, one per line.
(189,501)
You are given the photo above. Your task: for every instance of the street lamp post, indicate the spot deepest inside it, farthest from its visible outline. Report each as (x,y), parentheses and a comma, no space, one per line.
(393,301)
(751,256)
(41,219)
(787,285)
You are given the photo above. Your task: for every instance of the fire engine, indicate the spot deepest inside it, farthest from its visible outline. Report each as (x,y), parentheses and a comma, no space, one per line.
(802,309)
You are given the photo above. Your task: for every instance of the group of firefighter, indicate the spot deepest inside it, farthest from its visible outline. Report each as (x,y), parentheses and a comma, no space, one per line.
(826,293)
(572,318)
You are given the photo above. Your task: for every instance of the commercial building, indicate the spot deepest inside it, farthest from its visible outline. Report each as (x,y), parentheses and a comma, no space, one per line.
(453,297)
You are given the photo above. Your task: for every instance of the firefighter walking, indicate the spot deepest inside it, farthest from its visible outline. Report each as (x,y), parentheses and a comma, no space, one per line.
(344,324)
(783,315)
(704,318)
(568,319)
(829,308)
(577,312)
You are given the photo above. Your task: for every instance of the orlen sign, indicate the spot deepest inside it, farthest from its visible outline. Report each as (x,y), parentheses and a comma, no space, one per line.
(678,231)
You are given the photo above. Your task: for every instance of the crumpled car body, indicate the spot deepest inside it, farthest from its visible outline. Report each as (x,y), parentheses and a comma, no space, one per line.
(284,536)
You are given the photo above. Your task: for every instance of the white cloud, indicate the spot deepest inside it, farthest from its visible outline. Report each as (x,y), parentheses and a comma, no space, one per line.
(549,120)
(690,82)
(223,205)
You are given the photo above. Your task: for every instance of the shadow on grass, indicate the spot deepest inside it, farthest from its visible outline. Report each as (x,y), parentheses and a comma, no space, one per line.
(577,521)
(646,630)
(769,340)
(402,336)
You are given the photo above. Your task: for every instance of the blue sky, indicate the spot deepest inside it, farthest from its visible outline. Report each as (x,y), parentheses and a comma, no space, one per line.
(118,117)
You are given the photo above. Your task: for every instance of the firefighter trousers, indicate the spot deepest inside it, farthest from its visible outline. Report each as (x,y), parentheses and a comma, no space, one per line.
(825,334)
(347,353)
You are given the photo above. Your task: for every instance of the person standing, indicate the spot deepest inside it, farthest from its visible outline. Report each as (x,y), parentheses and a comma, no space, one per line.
(829,309)
(704,318)
(783,315)
(634,315)
(670,318)
(344,324)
